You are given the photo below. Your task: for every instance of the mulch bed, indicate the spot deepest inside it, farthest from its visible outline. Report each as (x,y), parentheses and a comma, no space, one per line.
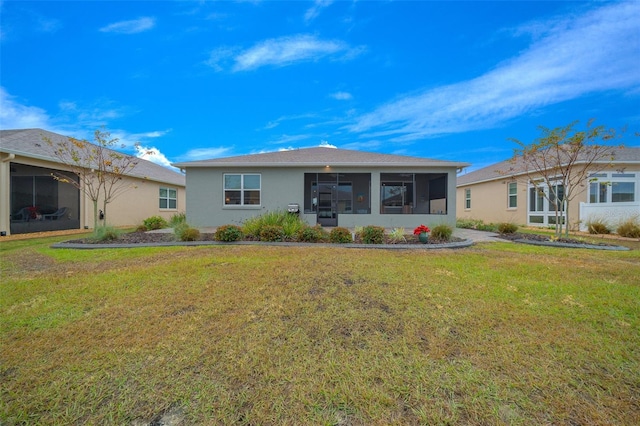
(161,237)
(545,238)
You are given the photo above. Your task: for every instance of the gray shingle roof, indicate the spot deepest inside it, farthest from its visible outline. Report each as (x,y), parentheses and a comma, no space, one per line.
(319,156)
(497,170)
(29,143)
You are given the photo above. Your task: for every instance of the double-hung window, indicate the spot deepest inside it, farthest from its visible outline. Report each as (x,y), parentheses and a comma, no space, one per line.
(513,194)
(598,190)
(242,189)
(168,198)
(467,198)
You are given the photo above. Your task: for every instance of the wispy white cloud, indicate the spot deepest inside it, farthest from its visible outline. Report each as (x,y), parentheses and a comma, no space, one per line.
(92,114)
(30,22)
(282,119)
(205,153)
(313,12)
(14,115)
(341,96)
(285,51)
(133,26)
(574,57)
(284,139)
(150,135)
(220,57)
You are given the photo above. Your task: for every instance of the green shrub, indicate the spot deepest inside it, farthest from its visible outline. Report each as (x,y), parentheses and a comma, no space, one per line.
(141,228)
(184,232)
(468,223)
(311,234)
(188,234)
(272,233)
(507,228)
(106,233)
(155,222)
(397,236)
(228,233)
(340,235)
(630,228)
(597,226)
(441,232)
(476,224)
(372,234)
(489,227)
(177,219)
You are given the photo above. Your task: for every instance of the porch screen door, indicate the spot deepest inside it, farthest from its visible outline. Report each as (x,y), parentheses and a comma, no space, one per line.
(327,204)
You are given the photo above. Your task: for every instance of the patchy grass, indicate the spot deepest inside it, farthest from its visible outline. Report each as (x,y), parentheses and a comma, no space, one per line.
(496,334)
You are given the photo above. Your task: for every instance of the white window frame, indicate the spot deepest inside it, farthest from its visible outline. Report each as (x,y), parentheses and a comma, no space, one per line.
(167,198)
(512,196)
(543,208)
(242,189)
(467,199)
(610,179)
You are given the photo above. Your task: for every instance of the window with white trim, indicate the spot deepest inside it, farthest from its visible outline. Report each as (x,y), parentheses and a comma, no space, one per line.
(542,204)
(512,194)
(598,190)
(467,198)
(612,188)
(168,198)
(242,189)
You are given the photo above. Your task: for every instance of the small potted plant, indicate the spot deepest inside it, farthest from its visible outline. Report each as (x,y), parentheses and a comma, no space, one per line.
(33,212)
(422,232)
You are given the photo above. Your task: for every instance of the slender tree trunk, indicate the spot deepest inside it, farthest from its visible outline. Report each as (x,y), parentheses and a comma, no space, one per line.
(95,215)
(566,216)
(104,213)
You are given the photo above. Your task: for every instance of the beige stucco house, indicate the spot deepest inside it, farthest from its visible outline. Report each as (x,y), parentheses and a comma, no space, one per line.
(494,195)
(325,186)
(31,200)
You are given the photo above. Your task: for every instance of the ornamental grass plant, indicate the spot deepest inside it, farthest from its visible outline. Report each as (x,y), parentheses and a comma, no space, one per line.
(629,228)
(442,232)
(291,224)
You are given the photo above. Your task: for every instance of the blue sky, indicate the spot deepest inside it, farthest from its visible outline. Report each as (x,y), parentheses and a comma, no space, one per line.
(193,80)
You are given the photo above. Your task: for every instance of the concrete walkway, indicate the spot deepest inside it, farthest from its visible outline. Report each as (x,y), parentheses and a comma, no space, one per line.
(476,236)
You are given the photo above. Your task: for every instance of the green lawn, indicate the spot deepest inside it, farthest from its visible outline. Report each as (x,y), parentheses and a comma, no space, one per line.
(499,333)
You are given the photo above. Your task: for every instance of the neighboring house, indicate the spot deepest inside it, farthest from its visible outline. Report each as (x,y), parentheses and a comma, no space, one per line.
(330,187)
(31,200)
(493,195)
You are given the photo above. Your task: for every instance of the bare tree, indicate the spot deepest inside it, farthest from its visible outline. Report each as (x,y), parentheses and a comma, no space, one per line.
(558,163)
(98,167)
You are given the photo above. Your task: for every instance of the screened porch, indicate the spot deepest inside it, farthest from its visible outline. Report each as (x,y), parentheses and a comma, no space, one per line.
(40,203)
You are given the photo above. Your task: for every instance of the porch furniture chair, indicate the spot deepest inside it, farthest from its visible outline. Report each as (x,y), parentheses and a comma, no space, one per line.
(23,215)
(56,215)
